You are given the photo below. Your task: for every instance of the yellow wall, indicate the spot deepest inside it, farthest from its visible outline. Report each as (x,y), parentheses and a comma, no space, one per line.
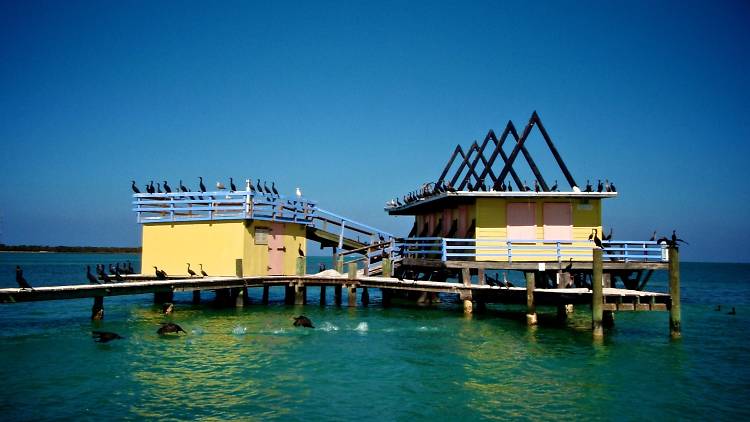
(216,245)
(492,224)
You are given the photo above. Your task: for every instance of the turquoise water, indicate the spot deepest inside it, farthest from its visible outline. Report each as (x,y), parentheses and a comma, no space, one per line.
(400,363)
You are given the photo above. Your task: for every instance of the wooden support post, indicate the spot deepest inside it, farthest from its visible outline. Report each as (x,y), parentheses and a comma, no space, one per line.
(466,276)
(196,297)
(530,302)
(365,297)
(323,295)
(675,325)
(352,296)
(467,300)
(480,277)
(97,311)
(387,269)
(288,295)
(239,297)
(161,298)
(337,294)
(352,270)
(562,310)
(597,295)
(300,269)
(340,264)
(264,297)
(386,294)
(608,319)
(299,294)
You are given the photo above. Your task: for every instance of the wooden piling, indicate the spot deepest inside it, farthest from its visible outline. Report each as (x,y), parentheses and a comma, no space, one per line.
(340,264)
(365,297)
(288,294)
(322,295)
(300,268)
(597,295)
(337,294)
(466,297)
(196,297)
(97,311)
(531,318)
(386,295)
(163,297)
(239,297)
(352,270)
(264,297)
(675,324)
(352,295)
(299,294)
(386,266)
(466,276)
(480,277)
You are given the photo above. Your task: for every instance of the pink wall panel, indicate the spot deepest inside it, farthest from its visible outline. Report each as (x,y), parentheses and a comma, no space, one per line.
(558,221)
(521,221)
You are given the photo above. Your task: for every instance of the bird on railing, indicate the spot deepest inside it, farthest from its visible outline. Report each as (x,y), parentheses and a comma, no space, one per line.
(300,251)
(190,272)
(134,187)
(111,269)
(220,186)
(203,272)
(273,189)
(653,237)
(232,187)
(259,187)
(167,189)
(599,186)
(554,187)
(588,186)
(158,188)
(398,202)
(130,268)
(249,185)
(510,187)
(150,187)
(201,185)
(507,282)
(22,283)
(105,276)
(609,236)
(184,190)
(92,278)
(591,235)
(265,188)
(118,277)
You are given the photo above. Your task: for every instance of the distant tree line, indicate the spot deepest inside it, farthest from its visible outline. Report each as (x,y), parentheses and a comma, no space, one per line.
(84,249)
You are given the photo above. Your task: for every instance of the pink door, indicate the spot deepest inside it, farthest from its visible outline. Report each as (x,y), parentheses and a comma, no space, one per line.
(463,220)
(276,250)
(521,221)
(558,221)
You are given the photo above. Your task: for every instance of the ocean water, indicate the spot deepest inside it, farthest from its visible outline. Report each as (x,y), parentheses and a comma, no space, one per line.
(400,363)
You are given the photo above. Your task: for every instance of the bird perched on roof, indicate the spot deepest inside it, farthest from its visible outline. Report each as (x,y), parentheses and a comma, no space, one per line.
(22,283)
(167,189)
(169,327)
(105,336)
(298,192)
(554,187)
(134,187)
(203,272)
(92,278)
(191,273)
(599,186)
(588,186)
(220,186)
(303,321)
(526,187)
(536,185)
(232,187)
(201,185)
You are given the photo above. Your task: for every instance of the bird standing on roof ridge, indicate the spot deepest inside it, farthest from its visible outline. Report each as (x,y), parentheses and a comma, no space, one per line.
(191,273)
(201,185)
(232,187)
(203,273)
(599,186)
(588,186)
(536,185)
(554,187)
(167,189)
(298,192)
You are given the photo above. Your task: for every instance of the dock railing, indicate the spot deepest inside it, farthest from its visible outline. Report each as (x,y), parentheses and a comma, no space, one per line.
(221,205)
(489,249)
(348,228)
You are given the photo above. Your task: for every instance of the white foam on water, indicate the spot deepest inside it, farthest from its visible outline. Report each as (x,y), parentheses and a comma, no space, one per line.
(327,326)
(197,331)
(279,331)
(362,327)
(239,331)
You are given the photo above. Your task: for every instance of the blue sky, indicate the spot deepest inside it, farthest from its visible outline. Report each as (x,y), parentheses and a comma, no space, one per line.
(357,102)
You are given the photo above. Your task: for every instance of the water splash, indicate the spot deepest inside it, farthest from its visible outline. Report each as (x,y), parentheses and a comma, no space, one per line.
(239,330)
(362,327)
(327,326)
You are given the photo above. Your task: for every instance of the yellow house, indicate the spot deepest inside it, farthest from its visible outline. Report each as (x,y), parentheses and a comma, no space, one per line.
(223,233)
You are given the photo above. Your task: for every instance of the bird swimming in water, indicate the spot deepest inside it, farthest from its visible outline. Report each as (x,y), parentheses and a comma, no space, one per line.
(167,189)
(167,308)
(190,272)
(201,185)
(232,187)
(169,327)
(22,283)
(303,321)
(92,279)
(203,272)
(718,308)
(105,336)
(300,251)
(134,187)
(732,312)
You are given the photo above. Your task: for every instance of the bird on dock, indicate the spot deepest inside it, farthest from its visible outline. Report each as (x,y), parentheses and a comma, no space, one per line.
(653,237)
(732,312)
(105,336)
(22,283)
(130,268)
(607,188)
(609,236)
(183,188)
(675,239)
(203,272)
(160,275)
(273,189)
(92,278)
(303,321)
(597,241)
(104,276)
(502,186)
(493,282)
(190,272)
(591,235)
(169,327)
(300,251)
(201,185)
(599,186)
(167,189)
(232,187)
(554,187)
(507,282)
(158,188)
(167,308)
(151,188)
(510,187)
(220,186)
(588,186)
(612,187)
(258,186)
(134,187)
